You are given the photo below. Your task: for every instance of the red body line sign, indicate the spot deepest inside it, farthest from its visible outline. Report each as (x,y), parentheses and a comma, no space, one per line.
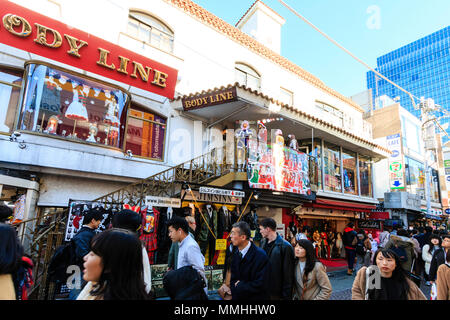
(27,30)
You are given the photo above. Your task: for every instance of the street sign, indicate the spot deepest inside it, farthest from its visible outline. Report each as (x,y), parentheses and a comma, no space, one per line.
(447,211)
(447,163)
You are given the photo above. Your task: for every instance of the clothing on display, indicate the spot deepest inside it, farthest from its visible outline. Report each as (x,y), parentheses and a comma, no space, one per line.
(205,239)
(19,209)
(149,237)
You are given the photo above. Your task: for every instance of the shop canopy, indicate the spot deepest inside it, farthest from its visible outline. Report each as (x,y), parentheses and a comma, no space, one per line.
(341,205)
(237,102)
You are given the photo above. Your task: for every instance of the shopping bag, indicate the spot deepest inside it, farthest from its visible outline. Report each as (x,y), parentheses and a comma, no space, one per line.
(433,293)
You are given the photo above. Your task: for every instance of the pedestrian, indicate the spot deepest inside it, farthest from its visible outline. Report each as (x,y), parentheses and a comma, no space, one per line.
(281,260)
(82,242)
(394,230)
(417,249)
(249,266)
(132,221)
(305,234)
(349,240)
(189,257)
(439,257)
(363,250)
(173,252)
(427,255)
(6,213)
(403,247)
(310,278)
(11,252)
(393,282)
(384,237)
(443,279)
(420,236)
(373,244)
(114,267)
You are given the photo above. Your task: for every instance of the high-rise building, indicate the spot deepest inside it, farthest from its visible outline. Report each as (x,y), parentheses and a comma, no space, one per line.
(421,67)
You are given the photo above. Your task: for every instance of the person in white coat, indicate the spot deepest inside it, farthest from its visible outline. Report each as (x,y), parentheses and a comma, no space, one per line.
(427,254)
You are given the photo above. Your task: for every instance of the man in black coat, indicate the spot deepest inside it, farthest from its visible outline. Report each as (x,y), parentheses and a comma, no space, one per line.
(249,266)
(439,257)
(281,259)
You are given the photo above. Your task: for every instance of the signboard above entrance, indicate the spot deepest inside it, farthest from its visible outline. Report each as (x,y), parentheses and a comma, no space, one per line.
(214,198)
(209,99)
(27,30)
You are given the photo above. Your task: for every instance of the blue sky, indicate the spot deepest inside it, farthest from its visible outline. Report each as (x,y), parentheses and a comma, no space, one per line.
(367,28)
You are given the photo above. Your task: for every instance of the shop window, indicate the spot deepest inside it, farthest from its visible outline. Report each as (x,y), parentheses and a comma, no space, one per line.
(316,152)
(332,167)
(365,176)
(349,172)
(60,103)
(150,30)
(145,134)
(10,85)
(247,76)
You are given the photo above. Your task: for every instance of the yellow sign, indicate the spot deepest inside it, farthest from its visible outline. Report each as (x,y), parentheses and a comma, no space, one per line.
(253,233)
(221,244)
(221,258)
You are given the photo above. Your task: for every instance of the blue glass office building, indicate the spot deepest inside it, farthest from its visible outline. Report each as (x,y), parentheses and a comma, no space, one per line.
(421,67)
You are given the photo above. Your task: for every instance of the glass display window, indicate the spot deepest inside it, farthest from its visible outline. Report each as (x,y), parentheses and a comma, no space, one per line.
(349,172)
(145,134)
(60,103)
(10,86)
(316,152)
(365,176)
(332,167)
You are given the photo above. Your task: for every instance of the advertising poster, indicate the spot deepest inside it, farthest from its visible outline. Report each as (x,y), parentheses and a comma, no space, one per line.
(284,170)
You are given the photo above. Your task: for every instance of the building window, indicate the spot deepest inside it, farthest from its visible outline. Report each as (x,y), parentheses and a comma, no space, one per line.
(145,134)
(330,114)
(10,85)
(150,30)
(365,176)
(60,103)
(247,76)
(287,97)
(305,146)
(349,172)
(332,167)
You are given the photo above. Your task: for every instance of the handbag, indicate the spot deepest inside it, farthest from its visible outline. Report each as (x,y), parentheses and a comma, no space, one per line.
(225,287)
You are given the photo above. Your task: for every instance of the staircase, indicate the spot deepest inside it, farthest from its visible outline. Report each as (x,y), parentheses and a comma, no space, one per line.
(168,183)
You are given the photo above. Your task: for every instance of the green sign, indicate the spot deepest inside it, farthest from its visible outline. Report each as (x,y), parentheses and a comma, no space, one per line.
(395,166)
(447,163)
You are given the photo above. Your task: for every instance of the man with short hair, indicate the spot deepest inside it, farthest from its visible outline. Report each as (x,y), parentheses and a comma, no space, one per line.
(82,241)
(281,260)
(173,252)
(249,266)
(189,253)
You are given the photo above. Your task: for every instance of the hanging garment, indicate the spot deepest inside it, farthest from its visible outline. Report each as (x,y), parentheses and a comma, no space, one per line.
(150,219)
(163,240)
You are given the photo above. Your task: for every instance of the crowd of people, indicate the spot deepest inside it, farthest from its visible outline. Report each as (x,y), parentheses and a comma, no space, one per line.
(115,263)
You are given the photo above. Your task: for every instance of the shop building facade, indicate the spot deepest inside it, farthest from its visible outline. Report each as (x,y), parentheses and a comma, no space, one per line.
(221,85)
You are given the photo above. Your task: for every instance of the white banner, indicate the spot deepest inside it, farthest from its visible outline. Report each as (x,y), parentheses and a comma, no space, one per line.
(162,202)
(222,192)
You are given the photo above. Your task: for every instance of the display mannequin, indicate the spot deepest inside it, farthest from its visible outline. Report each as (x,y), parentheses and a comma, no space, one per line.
(224,221)
(324,245)
(149,237)
(252,219)
(205,238)
(317,242)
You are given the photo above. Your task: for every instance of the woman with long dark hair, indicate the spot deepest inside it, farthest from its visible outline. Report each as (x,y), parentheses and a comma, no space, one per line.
(390,281)
(10,259)
(114,267)
(434,244)
(310,278)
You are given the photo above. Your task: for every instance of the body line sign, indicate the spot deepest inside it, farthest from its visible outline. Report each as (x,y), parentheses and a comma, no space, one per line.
(30,31)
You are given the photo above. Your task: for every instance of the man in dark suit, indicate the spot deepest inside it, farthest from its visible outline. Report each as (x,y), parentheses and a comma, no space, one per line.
(249,266)
(281,258)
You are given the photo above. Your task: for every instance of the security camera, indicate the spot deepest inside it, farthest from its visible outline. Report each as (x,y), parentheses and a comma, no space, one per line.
(14,136)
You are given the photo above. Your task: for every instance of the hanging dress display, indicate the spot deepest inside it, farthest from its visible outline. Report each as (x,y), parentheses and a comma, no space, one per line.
(150,220)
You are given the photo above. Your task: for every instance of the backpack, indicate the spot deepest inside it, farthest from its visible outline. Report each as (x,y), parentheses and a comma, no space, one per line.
(400,252)
(360,249)
(63,257)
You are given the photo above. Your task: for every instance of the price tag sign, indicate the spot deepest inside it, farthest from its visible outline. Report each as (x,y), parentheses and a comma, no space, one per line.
(221,244)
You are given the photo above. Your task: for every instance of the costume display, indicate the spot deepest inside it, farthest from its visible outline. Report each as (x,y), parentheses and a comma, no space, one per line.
(19,209)
(149,237)
(242,136)
(317,242)
(204,238)
(163,240)
(225,221)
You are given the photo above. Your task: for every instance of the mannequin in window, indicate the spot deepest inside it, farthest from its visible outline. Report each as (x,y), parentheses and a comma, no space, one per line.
(224,221)
(252,219)
(242,136)
(205,238)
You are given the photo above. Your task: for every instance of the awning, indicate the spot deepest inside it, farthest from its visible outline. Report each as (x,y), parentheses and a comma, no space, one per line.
(342,205)
(378,215)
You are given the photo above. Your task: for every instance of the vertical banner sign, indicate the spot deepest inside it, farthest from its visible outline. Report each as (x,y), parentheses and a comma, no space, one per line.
(396,175)
(447,173)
